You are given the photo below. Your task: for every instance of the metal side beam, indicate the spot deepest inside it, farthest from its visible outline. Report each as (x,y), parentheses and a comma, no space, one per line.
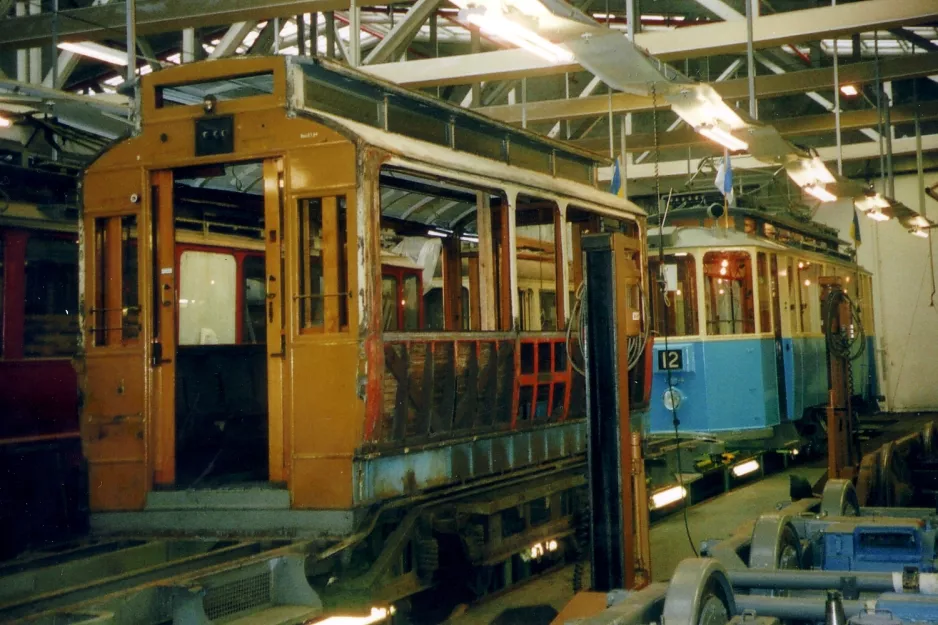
(233,38)
(403,32)
(766,87)
(692,42)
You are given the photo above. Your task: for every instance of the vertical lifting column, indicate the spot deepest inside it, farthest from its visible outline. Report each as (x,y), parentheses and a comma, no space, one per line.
(619,515)
(843,453)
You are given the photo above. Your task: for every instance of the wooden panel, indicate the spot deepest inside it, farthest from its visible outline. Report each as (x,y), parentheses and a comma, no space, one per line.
(164,390)
(117,486)
(275,307)
(322,482)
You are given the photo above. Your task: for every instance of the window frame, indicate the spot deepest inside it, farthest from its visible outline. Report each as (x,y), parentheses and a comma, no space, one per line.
(333,278)
(107,321)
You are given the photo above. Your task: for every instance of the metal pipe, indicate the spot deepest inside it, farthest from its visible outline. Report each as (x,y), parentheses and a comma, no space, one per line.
(751,8)
(330,34)
(801,608)
(301,34)
(890,175)
(354,34)
(55,44)
(623,154)
(811,580)
(840,152)
(131,41)
(629,19)
(920,166)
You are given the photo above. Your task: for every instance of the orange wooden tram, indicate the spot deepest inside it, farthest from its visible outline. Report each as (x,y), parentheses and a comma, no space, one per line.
(304,292)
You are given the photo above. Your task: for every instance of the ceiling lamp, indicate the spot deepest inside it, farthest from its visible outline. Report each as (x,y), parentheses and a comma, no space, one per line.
(5,122)
(498,25)
(723,137)
(919,232)
(871,202)
(877,215)
(920,222)
(95,51)
(809,171)
(819,192)
(849,90)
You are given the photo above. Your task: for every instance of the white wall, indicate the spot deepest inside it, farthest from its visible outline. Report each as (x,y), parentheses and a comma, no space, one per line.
(906,317)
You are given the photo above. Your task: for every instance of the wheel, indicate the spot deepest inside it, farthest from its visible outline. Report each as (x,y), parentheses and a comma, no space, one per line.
(839,499)
(699,594)
(775,544)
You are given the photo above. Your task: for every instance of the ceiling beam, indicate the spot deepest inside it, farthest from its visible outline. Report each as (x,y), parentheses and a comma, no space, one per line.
(232,39)
(109,21)
(766,87)
(915,39)
(789,127)
(691,42)
(851,152)
(403,32)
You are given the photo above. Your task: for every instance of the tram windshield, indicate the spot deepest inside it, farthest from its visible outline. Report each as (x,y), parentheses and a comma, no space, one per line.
(674,304)
(728,296)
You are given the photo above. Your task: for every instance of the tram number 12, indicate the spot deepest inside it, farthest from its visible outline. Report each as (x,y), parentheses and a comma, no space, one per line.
(672,359)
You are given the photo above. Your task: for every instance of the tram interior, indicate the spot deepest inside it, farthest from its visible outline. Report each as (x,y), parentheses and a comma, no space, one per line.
(221,375)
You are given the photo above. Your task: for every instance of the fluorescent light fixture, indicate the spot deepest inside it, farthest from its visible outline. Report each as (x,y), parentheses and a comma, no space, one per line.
(95,51)
(919,232)
(849,90)
(503,28)
(919,221)
(724,138)
(377,615)
(680,253)
(469,238)
(820,193)
(437,233)
(870,202)
(667,496)
(809,171)
(877,215)
(745,468)
(5,122)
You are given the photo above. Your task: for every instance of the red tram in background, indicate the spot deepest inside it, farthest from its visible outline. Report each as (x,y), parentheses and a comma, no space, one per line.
(42,481)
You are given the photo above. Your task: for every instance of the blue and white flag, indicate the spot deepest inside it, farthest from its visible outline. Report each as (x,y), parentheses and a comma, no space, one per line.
(724,179)
(616,187)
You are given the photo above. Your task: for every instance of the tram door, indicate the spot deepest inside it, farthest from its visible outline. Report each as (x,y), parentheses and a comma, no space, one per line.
(779,347)
(217,340)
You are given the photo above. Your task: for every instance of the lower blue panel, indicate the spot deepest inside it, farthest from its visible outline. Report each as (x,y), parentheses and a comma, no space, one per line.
(726,385)
(392,474)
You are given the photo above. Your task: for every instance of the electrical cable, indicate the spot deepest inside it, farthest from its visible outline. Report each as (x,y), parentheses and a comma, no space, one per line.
(667,331)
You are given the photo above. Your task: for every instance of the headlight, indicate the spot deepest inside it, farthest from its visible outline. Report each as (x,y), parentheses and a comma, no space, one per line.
(672,399)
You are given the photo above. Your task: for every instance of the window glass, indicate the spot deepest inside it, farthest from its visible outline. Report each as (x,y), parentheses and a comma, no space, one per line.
(255,296)
(766,293)
(810,317)
(411,302)
(536,261)
(677,306)
(323,300)
(51,306)
(207,298)
(389,303)
(728,293)
(130,302)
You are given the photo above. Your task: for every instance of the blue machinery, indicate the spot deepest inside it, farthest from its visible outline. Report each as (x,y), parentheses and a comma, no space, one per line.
(821,560)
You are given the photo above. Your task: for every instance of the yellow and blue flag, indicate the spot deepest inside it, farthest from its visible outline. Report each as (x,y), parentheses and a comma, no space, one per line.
(855,228)
(617,187)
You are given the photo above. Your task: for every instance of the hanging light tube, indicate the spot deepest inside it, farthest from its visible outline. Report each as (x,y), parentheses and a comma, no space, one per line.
(95,51)
(5,122)
(503,28)
(746,468)
(724,138)
(919,232)
(869,202)
(877,215)
(820,193)
(667,496)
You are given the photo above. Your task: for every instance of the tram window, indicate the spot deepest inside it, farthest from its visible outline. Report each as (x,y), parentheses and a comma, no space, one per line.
(389,303)
(226,88)
(676,316)
(323,298)
(537,255)
(254,329)
(50,326)
(207,298)
(116,309)
(728,293)
(431,243)
(810,311)
(548,309)
(766,293)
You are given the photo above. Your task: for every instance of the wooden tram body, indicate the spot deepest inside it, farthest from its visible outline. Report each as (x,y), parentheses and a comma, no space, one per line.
(339,389)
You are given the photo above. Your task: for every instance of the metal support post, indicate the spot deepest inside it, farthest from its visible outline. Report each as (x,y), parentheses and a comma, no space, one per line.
(131,41)
(330,34)
(354,34)
(751,9)
(617,514)
(843,453)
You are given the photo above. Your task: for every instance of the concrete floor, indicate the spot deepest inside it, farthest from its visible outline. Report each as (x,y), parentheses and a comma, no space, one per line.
(716,518)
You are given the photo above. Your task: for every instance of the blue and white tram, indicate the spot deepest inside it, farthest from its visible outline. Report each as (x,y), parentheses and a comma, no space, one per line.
(739,347)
